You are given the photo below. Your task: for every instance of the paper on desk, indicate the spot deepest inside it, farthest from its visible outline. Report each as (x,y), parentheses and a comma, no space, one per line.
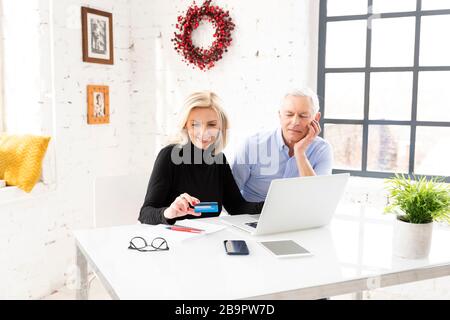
(208,227)
(174,236)
(179,236)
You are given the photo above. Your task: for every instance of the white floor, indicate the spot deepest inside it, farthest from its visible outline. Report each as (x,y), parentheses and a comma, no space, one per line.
(96,292)
(438,289)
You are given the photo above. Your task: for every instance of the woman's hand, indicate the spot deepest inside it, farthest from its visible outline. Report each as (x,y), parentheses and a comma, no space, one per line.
(180,207)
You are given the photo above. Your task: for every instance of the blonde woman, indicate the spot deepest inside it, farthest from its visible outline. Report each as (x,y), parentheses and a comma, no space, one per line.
(194,169)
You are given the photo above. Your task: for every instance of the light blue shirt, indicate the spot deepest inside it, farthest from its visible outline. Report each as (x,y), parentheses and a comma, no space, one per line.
(265,156)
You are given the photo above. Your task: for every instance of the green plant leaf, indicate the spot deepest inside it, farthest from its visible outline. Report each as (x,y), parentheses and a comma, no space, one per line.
(420,200)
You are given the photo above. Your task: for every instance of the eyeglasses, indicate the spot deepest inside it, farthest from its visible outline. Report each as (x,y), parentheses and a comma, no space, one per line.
(140,244)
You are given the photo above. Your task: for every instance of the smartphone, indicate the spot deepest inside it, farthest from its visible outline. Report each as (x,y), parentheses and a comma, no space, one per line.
(236,247)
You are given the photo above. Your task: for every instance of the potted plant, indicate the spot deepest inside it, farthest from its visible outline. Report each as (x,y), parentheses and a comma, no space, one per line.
(417,203)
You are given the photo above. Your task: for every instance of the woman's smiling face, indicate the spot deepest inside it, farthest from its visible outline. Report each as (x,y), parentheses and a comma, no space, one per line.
(203,127)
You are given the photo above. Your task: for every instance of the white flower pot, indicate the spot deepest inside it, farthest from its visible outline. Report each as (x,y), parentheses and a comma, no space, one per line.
(412,241)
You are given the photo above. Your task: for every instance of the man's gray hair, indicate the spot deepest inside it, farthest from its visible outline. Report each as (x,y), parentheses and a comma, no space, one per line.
(306,92)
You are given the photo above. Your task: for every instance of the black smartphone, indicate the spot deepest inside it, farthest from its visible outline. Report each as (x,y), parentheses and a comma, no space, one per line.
(236,247)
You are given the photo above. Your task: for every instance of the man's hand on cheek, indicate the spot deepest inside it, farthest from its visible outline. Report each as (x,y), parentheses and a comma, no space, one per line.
(314,130)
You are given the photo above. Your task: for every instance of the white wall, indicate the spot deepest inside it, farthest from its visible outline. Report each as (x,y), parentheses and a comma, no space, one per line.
(36,245)
(283,33)
(147,83)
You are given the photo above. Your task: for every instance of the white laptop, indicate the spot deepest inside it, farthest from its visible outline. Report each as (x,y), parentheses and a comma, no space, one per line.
(295,204)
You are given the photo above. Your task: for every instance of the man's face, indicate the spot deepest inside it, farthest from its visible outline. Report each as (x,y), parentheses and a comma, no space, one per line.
(296,115)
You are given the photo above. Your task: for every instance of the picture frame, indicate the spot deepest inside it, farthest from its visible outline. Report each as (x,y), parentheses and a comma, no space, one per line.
(98,104)
(98,36)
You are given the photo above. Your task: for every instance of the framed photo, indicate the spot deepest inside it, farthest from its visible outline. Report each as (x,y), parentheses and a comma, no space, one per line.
(98,38)
(98,104)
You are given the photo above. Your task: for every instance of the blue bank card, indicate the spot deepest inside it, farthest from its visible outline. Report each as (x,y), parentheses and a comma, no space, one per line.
(207,207)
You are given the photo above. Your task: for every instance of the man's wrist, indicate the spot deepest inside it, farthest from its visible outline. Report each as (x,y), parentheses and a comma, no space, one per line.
(300,155)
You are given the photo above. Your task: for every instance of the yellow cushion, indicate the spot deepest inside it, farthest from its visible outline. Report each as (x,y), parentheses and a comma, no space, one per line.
(21,159)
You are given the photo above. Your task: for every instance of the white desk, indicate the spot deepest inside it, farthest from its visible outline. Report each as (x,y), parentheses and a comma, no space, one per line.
(353,254)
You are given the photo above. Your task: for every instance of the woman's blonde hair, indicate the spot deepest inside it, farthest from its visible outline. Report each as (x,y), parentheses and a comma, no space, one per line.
(203,99)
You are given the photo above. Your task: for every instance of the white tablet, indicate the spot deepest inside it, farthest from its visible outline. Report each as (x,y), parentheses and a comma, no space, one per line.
(285,248)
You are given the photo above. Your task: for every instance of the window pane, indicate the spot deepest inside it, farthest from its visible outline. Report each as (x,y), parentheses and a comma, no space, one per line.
(346,44)
(393,42)
(346,7)
(434,47)
(432,151)
(435,4)
(344,95)
(347,145)
(380,6)
(388,149)
(391,95)
(434,96)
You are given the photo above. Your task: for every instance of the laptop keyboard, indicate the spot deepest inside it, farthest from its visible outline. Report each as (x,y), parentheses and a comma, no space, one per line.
(252,224)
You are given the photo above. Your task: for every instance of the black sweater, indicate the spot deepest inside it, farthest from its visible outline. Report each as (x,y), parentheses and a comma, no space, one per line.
(190,170)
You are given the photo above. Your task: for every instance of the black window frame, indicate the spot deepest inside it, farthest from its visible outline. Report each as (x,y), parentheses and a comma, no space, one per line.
(367,70)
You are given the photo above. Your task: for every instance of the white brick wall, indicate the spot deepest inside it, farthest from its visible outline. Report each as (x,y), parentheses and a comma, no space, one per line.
(35,239)
(148,83)
(250,86)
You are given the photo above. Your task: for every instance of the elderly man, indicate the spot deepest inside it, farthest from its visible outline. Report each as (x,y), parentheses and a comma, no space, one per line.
(292,150)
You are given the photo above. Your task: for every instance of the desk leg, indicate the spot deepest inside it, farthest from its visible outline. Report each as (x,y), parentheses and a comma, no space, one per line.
(358,295)
(82,281)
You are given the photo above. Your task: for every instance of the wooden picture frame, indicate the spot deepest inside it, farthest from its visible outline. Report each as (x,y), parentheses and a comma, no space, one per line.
(98,36)
(98,104)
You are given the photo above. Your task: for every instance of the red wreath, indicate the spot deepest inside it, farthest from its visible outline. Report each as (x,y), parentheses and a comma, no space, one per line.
(203,58)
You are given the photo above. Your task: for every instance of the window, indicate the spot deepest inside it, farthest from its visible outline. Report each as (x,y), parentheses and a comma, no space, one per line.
(384,82)
(28,96)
